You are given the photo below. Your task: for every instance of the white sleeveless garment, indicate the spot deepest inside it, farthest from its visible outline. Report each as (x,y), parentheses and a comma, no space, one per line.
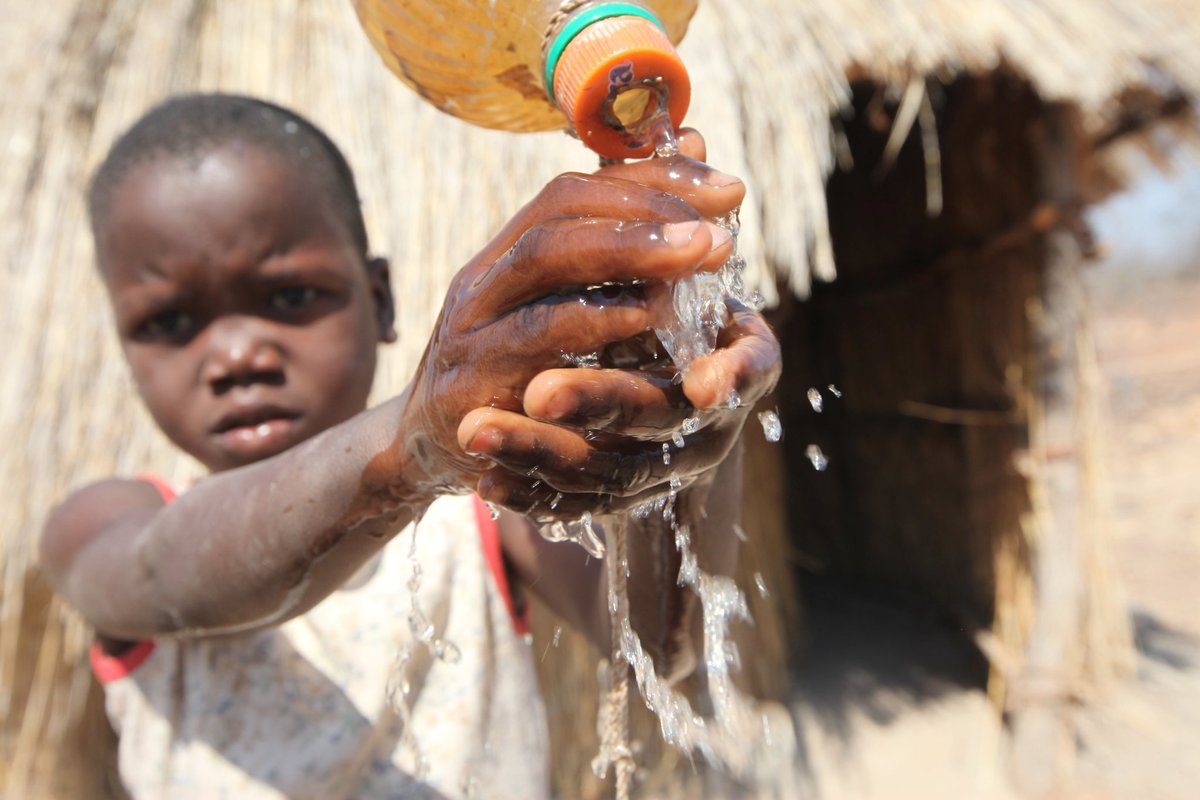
(302,710)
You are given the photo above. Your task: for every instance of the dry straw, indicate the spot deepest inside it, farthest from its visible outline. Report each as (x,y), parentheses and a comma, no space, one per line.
(769,75)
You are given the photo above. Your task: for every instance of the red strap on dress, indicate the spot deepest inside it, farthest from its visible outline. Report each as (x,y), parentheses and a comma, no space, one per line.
(110,668)
(489,537)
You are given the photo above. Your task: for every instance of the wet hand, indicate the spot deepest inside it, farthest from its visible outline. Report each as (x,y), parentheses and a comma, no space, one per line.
(606,439)
(568,275)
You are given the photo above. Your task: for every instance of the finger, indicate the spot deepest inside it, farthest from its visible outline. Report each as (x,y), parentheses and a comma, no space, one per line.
(570,254)
(747,361)
(629,402)
(566,460)
(546,333)
(536,499)
(692,144)
(711,192)
(575,194)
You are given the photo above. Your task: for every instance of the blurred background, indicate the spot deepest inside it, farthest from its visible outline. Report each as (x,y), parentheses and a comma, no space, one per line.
(976,226)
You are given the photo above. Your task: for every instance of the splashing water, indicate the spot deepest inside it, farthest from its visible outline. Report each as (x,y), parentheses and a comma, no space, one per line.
(397,692)
(772,427)
(582,532)
(698,307)
(736,735)
(586,360)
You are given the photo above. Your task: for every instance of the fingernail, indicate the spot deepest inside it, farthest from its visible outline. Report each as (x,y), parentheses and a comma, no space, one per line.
(485,442)
(718,179)
(678,234)
(719,235)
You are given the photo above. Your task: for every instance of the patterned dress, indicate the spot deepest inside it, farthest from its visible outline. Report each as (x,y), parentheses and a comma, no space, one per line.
(317,707)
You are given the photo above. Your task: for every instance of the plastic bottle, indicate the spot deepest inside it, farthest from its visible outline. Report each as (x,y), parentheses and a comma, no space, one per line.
(598,67)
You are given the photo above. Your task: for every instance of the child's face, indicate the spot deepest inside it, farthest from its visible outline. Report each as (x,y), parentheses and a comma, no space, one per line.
(243,306)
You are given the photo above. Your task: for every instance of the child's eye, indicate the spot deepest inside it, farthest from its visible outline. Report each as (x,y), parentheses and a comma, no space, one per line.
(167,325)
(292,298)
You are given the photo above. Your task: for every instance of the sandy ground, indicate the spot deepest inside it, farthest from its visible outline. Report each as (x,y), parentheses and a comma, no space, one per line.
(1143,742)
(888,705)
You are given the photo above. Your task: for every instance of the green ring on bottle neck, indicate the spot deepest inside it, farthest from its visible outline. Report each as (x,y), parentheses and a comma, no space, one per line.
(580,21)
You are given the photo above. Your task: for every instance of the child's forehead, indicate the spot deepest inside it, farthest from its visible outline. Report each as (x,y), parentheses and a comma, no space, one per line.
(223,199)
(214,166)
(212,181)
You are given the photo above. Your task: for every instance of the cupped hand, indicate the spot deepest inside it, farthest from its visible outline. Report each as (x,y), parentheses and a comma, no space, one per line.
(603,439)
(568,276)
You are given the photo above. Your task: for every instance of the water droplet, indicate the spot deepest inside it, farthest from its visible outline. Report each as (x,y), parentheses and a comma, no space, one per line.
(772,427)
(582,360)
(554,501)
(734,400)
(557,635)
(494,510)
(833,390)
(421,628)
(677,439)
(761,584)
(740,533)
(666,454)
(815,400)
(816,457)
(588,538)
(688,569)
(447,651)
(691,424)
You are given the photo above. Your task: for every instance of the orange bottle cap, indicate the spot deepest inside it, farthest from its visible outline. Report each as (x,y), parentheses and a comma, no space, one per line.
(626,56)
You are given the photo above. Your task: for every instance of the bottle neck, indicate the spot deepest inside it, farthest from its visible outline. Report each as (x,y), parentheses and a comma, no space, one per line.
(571,20)
(610,68)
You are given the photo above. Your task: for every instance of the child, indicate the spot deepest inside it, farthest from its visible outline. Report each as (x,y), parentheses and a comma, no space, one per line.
(248,630)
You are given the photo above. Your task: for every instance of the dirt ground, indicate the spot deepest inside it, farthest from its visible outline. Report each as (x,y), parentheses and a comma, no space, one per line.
(1148,339)
(888,704)
(1143,742)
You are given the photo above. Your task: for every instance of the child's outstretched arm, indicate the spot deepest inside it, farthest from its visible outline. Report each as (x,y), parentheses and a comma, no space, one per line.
(241,549)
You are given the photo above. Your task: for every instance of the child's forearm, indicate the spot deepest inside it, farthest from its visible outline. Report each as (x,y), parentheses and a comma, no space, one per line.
(253,546)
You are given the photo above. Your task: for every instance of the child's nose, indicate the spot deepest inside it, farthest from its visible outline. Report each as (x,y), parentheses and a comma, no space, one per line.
(241,353)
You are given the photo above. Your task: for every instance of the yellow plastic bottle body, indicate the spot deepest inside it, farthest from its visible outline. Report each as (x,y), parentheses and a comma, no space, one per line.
(481,60)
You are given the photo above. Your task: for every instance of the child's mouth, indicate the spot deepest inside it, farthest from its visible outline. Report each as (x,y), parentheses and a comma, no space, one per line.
(257,430)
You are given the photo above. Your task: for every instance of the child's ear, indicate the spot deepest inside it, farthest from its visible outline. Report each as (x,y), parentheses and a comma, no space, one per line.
(378,273)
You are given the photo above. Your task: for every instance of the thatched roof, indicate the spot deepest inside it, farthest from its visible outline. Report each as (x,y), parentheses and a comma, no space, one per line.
(794,61)
(769,75)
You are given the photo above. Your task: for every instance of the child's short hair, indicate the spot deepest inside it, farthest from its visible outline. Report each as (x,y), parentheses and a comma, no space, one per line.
(190,125)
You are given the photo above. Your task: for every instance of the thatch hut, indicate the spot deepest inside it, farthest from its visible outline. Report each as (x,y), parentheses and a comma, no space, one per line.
(934,157)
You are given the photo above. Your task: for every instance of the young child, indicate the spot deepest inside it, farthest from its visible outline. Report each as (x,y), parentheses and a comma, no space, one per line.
(261,634)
